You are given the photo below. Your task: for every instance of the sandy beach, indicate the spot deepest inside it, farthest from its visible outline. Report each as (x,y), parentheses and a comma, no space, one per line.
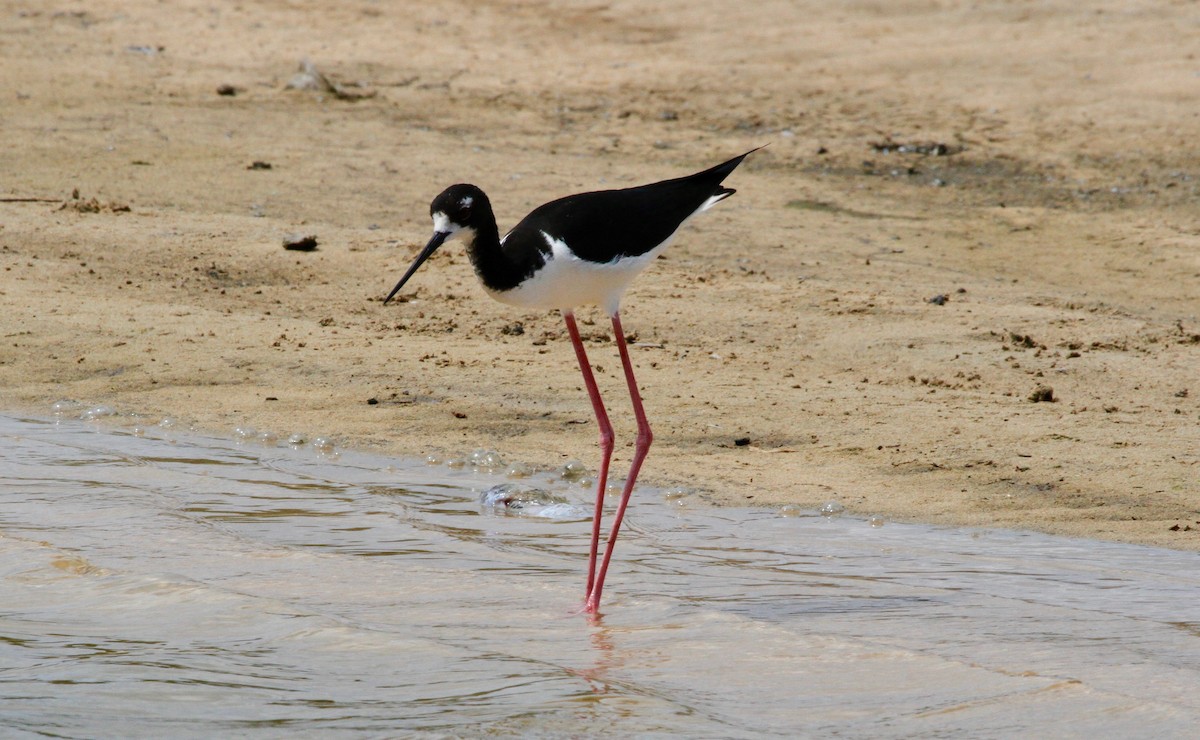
(959,285)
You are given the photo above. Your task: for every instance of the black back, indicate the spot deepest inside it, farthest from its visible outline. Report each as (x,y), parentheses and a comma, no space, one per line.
(605,225)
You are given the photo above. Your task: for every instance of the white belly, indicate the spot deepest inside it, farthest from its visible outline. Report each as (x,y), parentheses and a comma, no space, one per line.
(566,281)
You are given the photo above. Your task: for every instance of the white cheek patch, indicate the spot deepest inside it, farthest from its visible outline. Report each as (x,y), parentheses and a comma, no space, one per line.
(441,222)
(443,225)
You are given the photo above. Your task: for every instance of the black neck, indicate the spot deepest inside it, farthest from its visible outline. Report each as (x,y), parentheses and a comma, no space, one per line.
(500,267)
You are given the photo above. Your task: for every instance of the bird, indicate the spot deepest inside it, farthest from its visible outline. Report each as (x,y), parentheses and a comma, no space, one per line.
(580,250)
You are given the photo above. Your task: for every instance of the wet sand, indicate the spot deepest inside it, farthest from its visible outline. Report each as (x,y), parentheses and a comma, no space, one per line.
(1033,167)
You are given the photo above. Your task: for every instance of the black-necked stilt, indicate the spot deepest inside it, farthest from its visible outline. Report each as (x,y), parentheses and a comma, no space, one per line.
(579,250)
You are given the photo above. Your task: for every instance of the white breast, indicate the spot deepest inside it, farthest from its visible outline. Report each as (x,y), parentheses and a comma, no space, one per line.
(566,281)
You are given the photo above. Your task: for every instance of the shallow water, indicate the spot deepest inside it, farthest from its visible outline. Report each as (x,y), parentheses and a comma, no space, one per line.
(194,586)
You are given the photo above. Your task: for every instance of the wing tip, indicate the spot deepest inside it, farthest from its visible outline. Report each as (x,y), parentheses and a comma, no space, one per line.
(728,167)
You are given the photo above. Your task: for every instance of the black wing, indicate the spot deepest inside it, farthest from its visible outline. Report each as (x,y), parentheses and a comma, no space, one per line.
(604,225)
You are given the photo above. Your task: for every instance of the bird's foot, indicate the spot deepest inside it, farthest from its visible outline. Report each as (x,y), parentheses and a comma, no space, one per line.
(590,607)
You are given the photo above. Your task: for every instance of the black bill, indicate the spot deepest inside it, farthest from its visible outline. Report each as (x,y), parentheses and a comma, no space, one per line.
(438,238)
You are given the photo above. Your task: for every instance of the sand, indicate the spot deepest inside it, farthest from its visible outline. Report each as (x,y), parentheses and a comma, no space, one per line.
(961,205)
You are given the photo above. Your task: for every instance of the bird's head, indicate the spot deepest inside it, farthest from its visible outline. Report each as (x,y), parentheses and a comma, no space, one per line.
(455,213)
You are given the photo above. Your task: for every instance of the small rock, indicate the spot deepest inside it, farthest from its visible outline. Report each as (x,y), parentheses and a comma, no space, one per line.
(1042,394)
(310,78)
(939,300)
(227,90)
(300,242)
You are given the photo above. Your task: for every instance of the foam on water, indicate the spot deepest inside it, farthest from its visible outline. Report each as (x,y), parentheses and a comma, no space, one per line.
(202,587)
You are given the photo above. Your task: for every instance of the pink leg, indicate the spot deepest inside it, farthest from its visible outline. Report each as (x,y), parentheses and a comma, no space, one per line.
(644,438)
(606,441)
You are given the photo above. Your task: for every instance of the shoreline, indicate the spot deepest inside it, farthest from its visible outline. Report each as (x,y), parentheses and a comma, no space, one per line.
(118,422)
